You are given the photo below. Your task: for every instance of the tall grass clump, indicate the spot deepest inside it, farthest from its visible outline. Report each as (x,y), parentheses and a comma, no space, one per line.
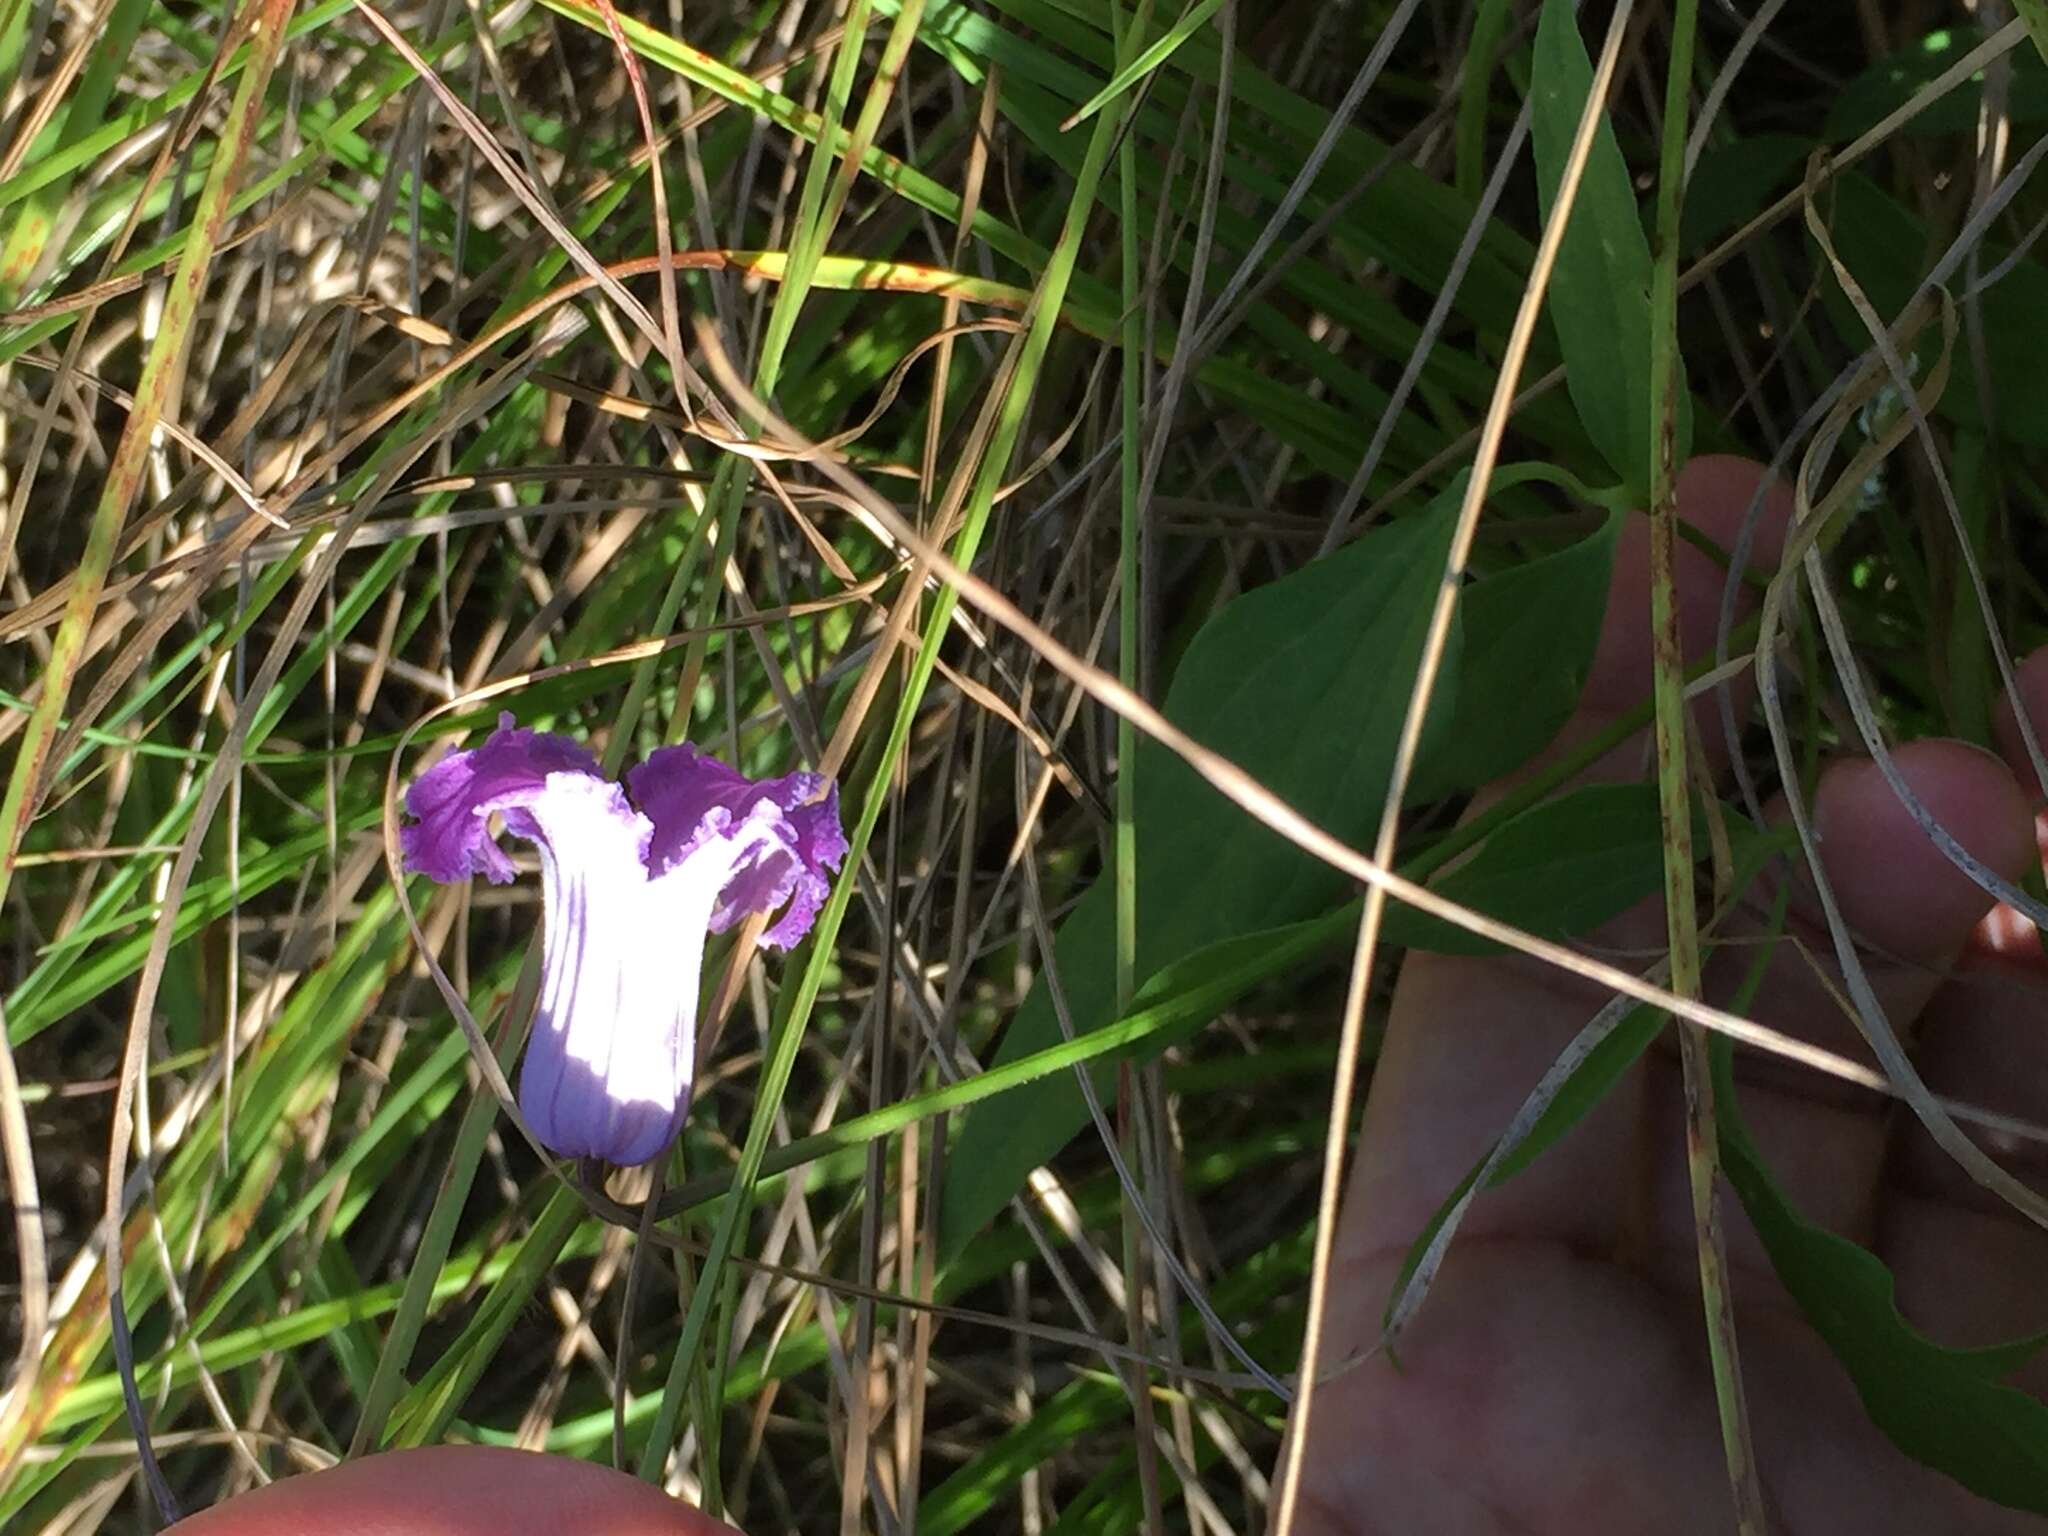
(987,405)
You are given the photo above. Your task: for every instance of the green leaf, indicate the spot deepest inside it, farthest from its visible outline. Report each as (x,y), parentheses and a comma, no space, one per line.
(2035,14)
(1304,683)
(422,1416)
(1883,242)
(1733,181)
(1151,58)
(1600,291)
(1171,1006)
(1560,868)
(34,225)
(1529,638)
(1864,101)
(1080,1408)
(1943,1407)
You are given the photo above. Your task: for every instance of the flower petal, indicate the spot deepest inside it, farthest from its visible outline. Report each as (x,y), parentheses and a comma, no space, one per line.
(820,845)
(451,840)
(784,836)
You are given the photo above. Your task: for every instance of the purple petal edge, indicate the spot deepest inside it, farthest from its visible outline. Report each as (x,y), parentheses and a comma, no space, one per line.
(791,825)
(450,838)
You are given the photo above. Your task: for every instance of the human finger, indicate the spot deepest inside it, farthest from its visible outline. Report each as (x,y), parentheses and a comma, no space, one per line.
(1911,911)
(2005,931)
(455,1490)
(1969,1270)
(1721,498)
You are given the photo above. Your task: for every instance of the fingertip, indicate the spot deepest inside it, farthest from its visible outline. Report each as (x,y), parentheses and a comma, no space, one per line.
(1895,886)
(455,1490)
(2008,933)
(2031,684)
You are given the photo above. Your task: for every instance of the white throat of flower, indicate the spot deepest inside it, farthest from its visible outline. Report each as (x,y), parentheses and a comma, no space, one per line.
(608,1070)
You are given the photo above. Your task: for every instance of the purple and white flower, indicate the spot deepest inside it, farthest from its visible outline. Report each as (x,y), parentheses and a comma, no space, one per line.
(630,888)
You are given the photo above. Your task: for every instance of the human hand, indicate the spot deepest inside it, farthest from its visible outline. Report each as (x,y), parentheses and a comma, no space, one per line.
(1556,1380)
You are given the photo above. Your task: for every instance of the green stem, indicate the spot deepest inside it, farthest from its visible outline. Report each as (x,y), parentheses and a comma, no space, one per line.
(1138,1380)
(1674,768)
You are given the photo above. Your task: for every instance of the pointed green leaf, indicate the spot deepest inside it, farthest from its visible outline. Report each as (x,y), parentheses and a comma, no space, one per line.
(1943,1407)
(1600,292)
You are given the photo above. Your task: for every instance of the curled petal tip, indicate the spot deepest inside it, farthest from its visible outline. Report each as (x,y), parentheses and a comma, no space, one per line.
(451,803)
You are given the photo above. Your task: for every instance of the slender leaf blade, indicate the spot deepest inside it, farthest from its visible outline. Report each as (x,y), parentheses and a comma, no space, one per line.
(1600,292)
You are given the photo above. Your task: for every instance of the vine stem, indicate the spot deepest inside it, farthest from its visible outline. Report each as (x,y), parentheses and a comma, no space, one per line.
(1486,454)
(1702,1152)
